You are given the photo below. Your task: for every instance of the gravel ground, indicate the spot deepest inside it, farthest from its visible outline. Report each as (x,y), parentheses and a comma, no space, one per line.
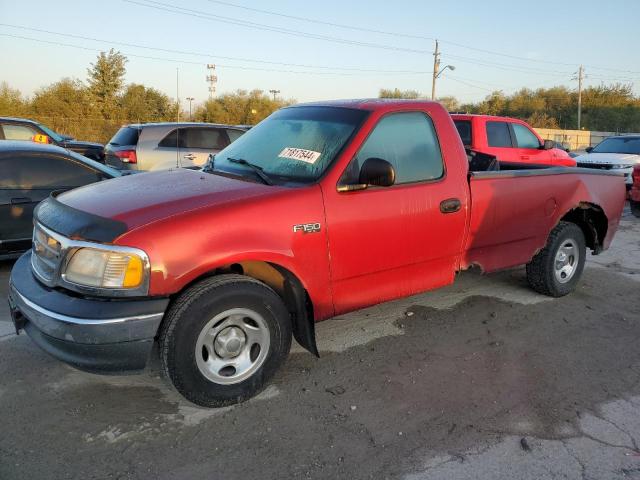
(481,380)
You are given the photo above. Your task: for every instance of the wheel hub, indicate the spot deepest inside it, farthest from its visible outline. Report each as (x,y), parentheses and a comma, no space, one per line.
(566,261)
(230,342)
(232,346)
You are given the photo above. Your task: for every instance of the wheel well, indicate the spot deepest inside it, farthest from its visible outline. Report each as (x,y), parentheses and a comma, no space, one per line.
(593,222)
(289,288)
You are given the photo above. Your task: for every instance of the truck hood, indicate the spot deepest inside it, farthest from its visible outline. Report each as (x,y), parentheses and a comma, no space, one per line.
(609,158)
(140,199)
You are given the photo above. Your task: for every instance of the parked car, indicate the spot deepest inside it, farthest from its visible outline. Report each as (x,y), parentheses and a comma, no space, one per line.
(634,195)
(616,154)
(509,139)
(29,173)
(319,210)
(24,129)
(159,146)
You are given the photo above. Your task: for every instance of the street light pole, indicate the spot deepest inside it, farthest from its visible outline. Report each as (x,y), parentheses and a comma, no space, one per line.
(190,99)
(436,67)
(437,71)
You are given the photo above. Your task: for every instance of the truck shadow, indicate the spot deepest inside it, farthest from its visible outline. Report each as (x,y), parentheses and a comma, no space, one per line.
(450,379)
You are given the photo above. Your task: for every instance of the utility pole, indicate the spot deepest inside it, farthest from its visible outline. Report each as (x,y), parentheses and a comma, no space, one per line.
(212,79)
(274,92)
(190,99)
(580,79)
(436,69)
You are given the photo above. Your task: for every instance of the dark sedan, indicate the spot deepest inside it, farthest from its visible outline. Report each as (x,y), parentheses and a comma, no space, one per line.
(29,172)
(25,129)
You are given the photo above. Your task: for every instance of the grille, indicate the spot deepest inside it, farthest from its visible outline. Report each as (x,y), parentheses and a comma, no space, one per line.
(600,166)
(46,256)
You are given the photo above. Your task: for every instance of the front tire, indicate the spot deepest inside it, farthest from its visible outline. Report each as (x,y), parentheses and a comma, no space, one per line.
(556,269)
(223,339)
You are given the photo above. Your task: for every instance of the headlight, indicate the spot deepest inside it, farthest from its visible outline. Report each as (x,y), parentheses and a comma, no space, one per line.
(107,270)
(621,167)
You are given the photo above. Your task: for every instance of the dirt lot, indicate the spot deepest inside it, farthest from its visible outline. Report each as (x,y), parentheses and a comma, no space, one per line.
(484,379)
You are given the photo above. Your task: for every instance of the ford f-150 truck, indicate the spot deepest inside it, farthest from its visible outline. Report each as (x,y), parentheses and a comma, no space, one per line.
(319,210)
(510,140)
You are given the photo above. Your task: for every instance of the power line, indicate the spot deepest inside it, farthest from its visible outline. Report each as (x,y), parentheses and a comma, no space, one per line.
(405,35)
(187,62)
(321,22)
(157,5)
(208,55)
(261,26)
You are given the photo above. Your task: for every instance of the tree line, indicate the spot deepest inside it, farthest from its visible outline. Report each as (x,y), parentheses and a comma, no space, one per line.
(609,108)
(95,108)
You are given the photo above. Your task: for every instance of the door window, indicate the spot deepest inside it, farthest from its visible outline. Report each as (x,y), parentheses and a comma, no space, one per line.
(175,139)
(206,138)
(18,132)
(27,172)
(234,135)
(464,130)
(525,137)
(498,134)
(406,140)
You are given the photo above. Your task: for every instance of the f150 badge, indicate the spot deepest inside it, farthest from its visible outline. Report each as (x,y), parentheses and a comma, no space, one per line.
(306,228)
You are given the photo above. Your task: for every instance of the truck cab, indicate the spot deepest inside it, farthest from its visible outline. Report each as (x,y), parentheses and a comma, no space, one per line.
(510,140)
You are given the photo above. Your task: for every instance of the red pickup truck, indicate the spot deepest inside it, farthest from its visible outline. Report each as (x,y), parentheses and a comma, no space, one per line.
(319,210)
(509,140)
(634,194)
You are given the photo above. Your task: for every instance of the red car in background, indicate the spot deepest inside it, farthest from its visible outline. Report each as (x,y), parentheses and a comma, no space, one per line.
(508,139)
(635,192)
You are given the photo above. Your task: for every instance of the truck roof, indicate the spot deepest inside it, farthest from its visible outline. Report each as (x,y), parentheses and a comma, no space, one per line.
(469,116)
(370,104)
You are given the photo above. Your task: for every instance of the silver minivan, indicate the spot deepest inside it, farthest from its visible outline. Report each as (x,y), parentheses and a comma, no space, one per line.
(159,146)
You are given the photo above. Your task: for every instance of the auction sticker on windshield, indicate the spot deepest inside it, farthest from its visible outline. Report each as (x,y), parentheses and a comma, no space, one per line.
(301,154)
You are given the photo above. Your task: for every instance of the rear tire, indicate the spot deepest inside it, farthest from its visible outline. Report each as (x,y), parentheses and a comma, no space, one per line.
(556,269)
(223,339)
(635,208)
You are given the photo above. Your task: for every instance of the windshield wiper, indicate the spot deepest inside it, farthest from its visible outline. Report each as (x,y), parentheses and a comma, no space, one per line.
(256,168)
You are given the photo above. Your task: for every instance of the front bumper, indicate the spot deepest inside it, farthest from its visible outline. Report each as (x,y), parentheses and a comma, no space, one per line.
(97,335)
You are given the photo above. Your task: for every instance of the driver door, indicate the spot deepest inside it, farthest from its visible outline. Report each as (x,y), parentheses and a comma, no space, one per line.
(390,242)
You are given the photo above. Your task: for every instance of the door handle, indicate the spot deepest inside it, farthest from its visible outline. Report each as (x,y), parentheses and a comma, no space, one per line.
(525,157)
(20,200)
(450,205)
(190,156)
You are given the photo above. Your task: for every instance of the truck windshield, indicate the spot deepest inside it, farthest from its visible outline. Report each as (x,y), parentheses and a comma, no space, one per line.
(293,144)
(619,145)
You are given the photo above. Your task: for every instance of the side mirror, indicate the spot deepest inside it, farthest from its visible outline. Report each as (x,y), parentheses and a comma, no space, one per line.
(378,172)
(588,149)
(374,171)
(548,145)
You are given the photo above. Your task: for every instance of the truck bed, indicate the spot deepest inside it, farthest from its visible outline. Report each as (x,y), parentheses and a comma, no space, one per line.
(513,209)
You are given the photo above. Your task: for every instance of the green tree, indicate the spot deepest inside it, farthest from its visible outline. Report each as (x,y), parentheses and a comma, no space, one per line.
(142,104)
(450,103)
(11,101)
(239,107)
(397,93)
(106,79)
(66,107)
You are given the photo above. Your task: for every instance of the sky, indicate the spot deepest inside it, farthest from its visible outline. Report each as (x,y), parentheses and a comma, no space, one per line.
(324,50)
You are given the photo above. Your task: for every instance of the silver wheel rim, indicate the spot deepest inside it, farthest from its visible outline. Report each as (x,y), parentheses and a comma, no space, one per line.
(566,261)
(232,346)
